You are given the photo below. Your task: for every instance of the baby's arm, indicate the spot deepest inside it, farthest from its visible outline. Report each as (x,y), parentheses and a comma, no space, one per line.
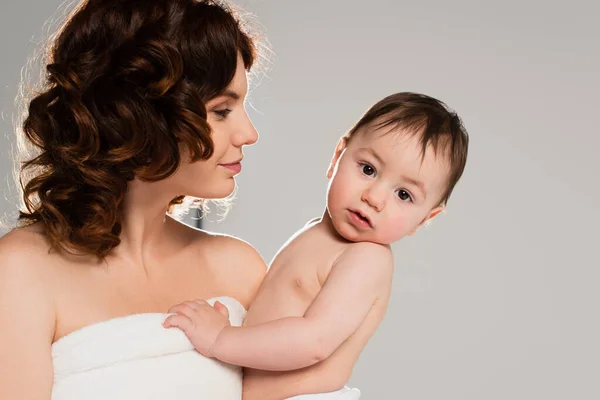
(350,291)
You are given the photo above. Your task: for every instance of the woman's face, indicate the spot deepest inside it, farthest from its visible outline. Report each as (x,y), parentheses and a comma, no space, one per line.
(231,130)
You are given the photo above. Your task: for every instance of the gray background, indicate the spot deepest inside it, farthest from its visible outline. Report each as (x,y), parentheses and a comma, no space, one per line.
(497,299)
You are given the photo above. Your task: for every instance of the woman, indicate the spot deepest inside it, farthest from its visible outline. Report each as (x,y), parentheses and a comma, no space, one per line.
(143,105)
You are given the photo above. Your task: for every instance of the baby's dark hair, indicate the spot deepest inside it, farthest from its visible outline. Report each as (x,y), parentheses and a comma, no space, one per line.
(422,115)
(126,84)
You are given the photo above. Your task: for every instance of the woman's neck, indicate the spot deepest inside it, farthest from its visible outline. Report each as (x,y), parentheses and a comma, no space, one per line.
(145,225)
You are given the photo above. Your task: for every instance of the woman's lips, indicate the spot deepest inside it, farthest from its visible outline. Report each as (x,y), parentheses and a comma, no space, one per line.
(235,167)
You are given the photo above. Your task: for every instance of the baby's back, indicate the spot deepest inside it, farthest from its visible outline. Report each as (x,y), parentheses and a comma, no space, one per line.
(295,278)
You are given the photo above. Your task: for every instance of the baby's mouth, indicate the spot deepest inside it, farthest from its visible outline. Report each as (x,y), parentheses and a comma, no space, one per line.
(363,217)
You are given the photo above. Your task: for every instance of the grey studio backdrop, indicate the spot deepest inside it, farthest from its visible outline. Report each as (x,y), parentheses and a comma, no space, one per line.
(497,299)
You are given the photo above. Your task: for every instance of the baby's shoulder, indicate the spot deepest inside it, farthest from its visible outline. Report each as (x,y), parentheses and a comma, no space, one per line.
(367,255)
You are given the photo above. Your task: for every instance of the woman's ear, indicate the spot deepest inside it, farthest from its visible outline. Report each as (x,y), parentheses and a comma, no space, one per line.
(339,149)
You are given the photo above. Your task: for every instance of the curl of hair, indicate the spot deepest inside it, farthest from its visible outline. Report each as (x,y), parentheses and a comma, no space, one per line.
(125,86)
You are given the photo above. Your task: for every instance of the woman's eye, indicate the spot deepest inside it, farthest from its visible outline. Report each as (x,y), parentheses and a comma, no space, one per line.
(404,195)
(367,169)
(223,113)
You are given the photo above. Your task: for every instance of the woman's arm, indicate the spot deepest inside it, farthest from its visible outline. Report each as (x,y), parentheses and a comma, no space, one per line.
(27,320)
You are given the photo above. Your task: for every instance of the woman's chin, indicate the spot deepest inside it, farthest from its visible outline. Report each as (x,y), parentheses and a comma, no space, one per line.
(215,193)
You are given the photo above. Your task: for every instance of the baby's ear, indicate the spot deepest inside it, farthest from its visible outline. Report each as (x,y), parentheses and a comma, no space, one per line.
(339,149)
(435,211)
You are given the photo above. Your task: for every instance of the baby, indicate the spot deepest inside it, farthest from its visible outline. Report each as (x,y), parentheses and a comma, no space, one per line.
(328,287)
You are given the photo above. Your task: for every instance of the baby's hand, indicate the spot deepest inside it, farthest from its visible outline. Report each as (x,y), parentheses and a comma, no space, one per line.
(200,322)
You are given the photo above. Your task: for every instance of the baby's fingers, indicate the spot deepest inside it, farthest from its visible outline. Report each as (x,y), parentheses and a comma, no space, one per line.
(222,308)
(179,321)
(187,309)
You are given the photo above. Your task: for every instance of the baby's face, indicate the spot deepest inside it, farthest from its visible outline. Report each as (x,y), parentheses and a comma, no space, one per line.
(381,189)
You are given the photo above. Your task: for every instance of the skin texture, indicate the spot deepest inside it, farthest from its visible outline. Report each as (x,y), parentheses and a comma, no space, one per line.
(47,295)
(328,288)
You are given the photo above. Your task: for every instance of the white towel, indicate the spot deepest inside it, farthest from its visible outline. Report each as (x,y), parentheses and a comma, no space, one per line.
(136,358)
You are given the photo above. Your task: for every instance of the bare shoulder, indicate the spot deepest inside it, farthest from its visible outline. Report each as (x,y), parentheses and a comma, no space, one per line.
(236,261)
(227,248)
(25,276)
(25,246)
(25,259)
(376,255)
(372,259)
(219,247)
(27,312)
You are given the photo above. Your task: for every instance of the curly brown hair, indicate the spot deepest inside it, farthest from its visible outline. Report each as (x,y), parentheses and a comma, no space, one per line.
(126,83)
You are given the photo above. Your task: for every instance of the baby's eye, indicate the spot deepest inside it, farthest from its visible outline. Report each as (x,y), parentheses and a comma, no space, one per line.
(367,169)
(404,195)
